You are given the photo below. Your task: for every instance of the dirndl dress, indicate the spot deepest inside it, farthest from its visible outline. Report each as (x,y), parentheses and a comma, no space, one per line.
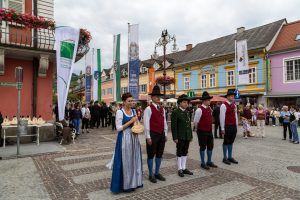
(127,167)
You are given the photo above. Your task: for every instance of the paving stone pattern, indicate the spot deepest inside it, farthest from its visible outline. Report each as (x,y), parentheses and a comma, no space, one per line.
(80,173)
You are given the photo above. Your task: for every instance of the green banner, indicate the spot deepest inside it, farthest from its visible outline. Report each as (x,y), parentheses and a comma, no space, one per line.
(99,71)
(117,71)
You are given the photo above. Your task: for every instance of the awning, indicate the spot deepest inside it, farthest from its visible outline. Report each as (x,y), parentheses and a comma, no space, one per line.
(282,95)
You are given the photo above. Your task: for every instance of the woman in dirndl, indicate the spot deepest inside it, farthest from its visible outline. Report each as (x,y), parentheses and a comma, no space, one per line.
(127,171)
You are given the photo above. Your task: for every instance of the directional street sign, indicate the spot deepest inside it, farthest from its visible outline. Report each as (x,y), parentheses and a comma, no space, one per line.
(7,84)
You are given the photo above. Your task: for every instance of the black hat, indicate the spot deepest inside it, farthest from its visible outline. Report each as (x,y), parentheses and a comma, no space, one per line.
(156,91)
(183,97)
(230,92)
(205,96)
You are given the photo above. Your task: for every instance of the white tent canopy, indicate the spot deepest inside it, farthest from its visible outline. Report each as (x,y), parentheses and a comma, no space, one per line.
(172,100)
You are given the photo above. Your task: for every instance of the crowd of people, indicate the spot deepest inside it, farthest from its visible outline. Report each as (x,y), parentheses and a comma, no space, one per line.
(93,115)
(255,119)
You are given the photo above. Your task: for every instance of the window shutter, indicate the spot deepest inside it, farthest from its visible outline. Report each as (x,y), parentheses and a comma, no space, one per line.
(17,5)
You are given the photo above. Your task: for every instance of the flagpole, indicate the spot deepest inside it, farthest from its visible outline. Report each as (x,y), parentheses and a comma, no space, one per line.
(148,84)
(128,49)
(236,70)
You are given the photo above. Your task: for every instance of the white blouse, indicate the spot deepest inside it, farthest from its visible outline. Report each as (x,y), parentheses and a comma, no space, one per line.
(119,119)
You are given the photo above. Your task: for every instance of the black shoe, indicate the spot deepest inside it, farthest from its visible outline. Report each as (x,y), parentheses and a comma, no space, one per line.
(204,166)
(188,172)
(180,173)
(152,179)
(227,162)
(160,177)
(211,164)
(232,160)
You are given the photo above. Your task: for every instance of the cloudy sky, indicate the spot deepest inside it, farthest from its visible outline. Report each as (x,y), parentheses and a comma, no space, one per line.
(192,21)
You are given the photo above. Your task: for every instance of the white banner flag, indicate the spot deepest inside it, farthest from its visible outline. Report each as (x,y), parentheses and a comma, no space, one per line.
(95,77)
(66,42)
(242,62)
(133,61)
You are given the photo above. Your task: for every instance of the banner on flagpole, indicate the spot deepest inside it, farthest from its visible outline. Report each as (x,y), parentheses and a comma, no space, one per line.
(66,42)
(88,76)
(117,72)
(151,78)
(242,62)
(134,62)
(97,75)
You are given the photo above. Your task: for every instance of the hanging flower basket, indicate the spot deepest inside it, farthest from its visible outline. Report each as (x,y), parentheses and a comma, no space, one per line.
(39,22)
(168,80)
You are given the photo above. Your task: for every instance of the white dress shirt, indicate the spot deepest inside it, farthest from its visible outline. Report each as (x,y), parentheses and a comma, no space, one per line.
(198,115)
(147,116)
(85,112)
(222,115)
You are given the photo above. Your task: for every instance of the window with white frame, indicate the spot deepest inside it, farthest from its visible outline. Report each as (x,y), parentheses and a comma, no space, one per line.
(161,87)
(109,91)
(17,5)
(186,83)
(124,90)
(203,81)
(111,76)
(212,80)
(103,91)
(252,75)
(292,70)
(230,78)
(143,88)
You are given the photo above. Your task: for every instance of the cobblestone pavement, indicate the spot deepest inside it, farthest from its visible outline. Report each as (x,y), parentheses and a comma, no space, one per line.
(268,169)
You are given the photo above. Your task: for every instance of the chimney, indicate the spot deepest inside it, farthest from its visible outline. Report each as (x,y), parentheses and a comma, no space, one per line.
(240,29)
(188,47)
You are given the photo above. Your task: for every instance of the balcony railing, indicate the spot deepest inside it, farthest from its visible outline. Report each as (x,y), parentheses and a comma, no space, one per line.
(17,35)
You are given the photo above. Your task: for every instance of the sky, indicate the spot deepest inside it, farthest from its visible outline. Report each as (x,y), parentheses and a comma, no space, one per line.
(191,21)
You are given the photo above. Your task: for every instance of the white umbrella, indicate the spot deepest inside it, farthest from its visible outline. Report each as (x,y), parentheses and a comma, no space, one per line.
(172,100)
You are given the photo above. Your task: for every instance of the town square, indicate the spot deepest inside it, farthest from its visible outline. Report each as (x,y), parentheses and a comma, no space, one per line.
(149,99)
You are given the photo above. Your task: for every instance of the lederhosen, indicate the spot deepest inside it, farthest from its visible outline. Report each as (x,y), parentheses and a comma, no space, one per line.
(157,133)
(204,130)
(230,124)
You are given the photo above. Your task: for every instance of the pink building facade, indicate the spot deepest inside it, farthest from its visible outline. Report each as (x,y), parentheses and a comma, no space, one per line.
(285,67)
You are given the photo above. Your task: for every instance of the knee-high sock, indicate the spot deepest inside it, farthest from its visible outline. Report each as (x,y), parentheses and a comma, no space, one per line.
(150,166)
(225,148)
(229,151)
(209,154)
(202,156)
(183,162)
(179,163)
(157,165)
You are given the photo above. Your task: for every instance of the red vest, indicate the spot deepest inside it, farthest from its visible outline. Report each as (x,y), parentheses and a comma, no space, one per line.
(230,114)
(157,120)
(205,122)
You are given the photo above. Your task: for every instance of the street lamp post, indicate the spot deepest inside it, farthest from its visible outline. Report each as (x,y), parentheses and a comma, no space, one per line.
(163,41)
(174,89)
(19,83)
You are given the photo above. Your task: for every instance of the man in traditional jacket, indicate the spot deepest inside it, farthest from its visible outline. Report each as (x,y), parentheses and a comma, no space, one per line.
(156,129)
(182,133)
(228,122)
(203,123)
